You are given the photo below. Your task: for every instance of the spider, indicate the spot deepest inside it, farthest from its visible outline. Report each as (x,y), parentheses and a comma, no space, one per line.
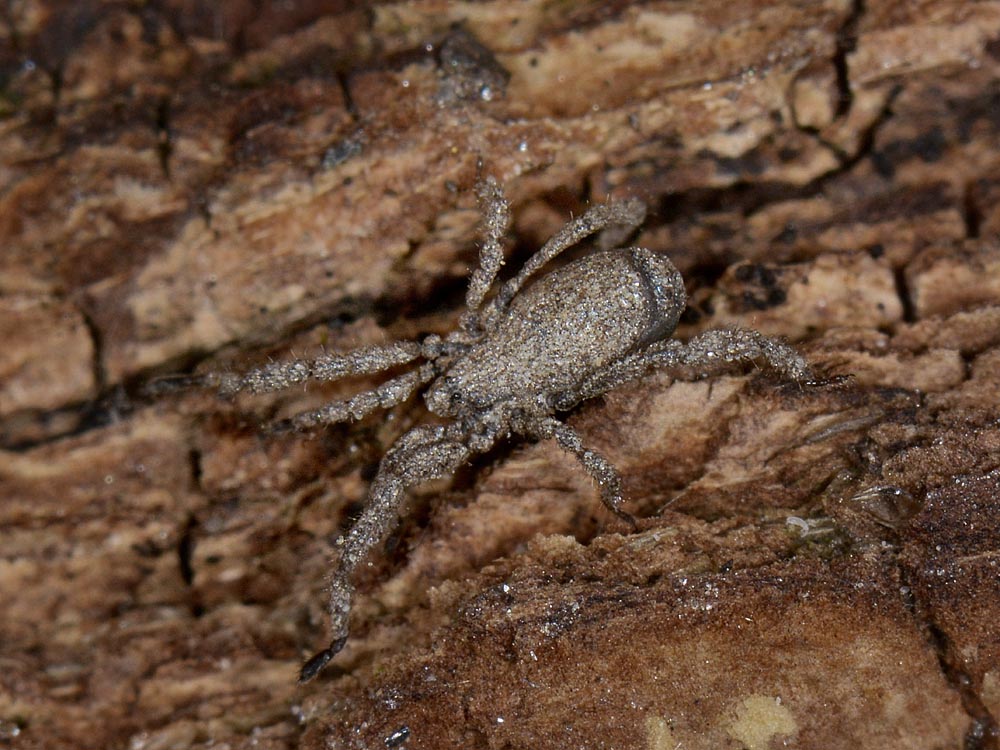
(513,362)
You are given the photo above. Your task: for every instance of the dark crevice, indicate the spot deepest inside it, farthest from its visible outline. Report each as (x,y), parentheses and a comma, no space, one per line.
(905,298)
(238,46)
(748,197)
(444,294)
(185,548)
(110,405)
(971,212)
(194,460)
(349,104)
(983,732)
(56,79)
(188,539)
(164,144)
(847,42)
(866,142)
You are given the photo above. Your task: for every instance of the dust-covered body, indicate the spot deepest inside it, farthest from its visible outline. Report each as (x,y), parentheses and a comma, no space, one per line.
(553,335)
(513,363)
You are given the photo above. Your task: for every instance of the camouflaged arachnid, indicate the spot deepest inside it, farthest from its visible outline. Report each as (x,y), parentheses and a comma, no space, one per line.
(515,361)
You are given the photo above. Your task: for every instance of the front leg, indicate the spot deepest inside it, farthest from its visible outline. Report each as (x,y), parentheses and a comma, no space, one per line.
(388,394)
(422,454)
(621,219)
(496,220)
(278,376)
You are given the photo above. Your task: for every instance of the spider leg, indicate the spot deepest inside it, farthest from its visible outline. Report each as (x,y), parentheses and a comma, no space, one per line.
(708,353)
(606,475)
(280,375)
(424,453)
(625,215)
(384,396)
(496,220)
(717,351)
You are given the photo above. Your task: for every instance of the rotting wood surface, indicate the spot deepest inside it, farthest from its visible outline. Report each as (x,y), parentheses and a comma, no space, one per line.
(212,185)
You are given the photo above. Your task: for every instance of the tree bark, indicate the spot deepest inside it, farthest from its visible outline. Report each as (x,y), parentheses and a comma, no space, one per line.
(207,186)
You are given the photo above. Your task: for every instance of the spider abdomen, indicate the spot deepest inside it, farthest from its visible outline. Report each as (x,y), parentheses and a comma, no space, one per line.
(572,322)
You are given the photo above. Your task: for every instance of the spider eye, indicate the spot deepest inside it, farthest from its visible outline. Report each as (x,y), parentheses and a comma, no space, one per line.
(455,398)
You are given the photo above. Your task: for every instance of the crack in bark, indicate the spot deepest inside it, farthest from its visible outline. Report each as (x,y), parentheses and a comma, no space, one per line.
(972,211)
(905,297)
(983,732)
(847,42)
(186,544)
(164,144)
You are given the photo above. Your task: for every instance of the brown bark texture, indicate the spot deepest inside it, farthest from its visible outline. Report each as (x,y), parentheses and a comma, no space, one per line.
(208,186)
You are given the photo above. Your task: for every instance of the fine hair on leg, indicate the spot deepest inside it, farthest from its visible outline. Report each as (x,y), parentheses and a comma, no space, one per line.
(708,353)
(424,453)
(388,394)
(276,376)
(719,350)
(608,480)
(496,220)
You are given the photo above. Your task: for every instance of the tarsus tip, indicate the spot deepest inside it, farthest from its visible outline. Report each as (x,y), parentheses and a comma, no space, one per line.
(316,664)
